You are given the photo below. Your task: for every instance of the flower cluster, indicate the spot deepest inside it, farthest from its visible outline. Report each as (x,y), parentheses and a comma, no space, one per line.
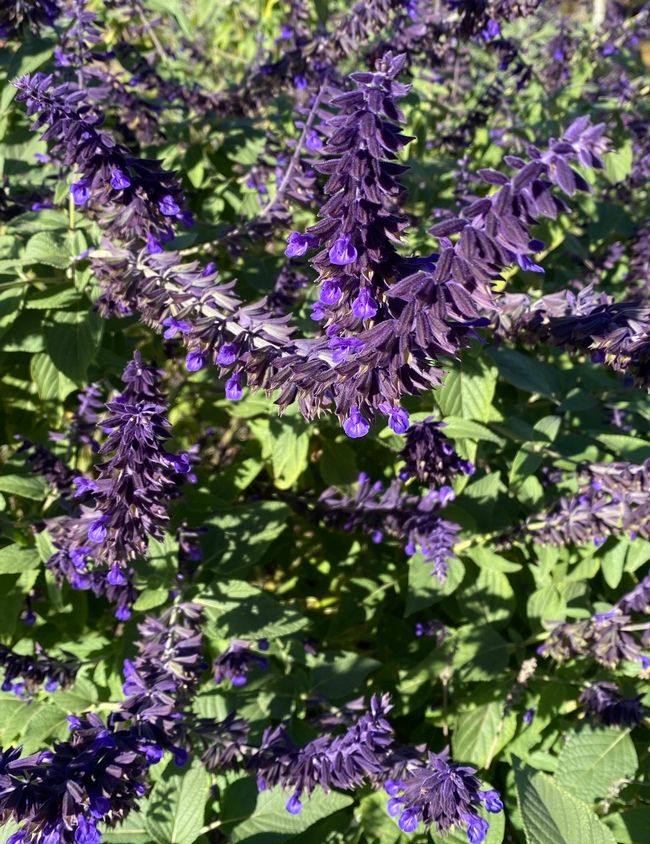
(604,702)
(24,674)
(603,636)
(237,660)
(161,681)
(42,461)
(429,456)
(342,761)
(415,519)
(442,794)
(138,198)
(127,503)
(20,17)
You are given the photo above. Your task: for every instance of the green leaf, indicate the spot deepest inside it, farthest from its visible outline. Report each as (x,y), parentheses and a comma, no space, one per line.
(336,674)
(49,248)
(526,373)
(481,655)
(288,445)
(247,813)
(177,804)
(469,390)
(633,449)
(551,815)
(490,599)
(338,464)
(133,830)
(612,562)
(594,759)
(246,532)
(35,488)
(546,604)
(52,385)
(424,589)
(150,598)
(618,163)
(630,827)
(238,609)
(59,299)
(458,428)
(481,733)
(486,559)
(15,559)
(72,341)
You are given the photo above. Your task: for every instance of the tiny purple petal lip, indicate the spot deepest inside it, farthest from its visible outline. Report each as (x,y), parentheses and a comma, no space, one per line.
(174,326)
(299,244)
(97,532)
(227,354)
(153,245)
(408,821)
(168,207)
(234,390)
(330,292)
(293,805)
(356,426)
(80,191)
(343,252)
(194,361)
(119,180)
(313,141)
(394,806)
(364,306)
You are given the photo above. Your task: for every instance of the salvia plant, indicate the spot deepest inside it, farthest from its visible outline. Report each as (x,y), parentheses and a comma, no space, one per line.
(324,429)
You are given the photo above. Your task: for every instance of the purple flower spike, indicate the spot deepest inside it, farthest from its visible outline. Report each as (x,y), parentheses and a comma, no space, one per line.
(294,806)
(356,426)
(342,251)
(80,191)
(168,207)
(234,390)
(119,180)
(194,361)
(364,306)
(299,244)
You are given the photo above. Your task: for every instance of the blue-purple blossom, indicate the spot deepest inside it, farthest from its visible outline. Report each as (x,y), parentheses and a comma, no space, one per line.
(299,244)
(604,702)
(236,661)
(442,795)
(356,426)
(174,326)
(343,251)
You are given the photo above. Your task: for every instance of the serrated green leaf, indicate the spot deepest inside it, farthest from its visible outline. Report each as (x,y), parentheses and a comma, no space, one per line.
(336,674)
(457,428)
(48,248)
(35,487)
(469,390)
(594,759)
(248,814)
(52,385)
(150,598)
(481,733)
(238,609)
(630,827)
(246,533)
(177,805)
(633,449)
(490,599)
(47,299)
(72,341)
(424,589)
(15,559)
(553,816)
(526,373)
(482,654)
